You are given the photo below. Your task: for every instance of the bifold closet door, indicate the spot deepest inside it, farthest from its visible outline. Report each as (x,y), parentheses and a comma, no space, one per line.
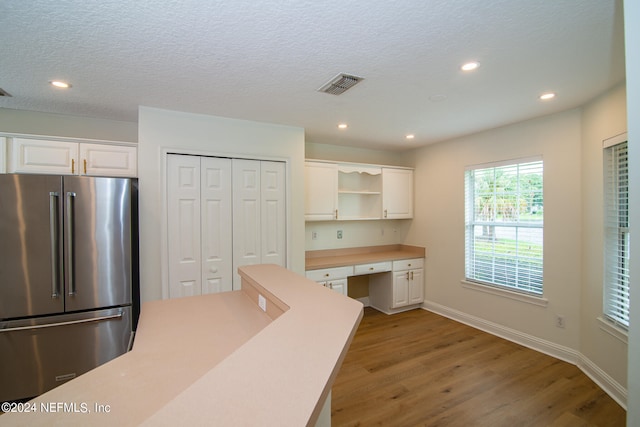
(216,220)
(199,225)
(183,218)
(222,214)
(259,221)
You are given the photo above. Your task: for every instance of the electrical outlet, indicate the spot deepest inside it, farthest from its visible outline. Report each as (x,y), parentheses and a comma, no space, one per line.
(339,234)
(560,321)
(314,235)
(262,302)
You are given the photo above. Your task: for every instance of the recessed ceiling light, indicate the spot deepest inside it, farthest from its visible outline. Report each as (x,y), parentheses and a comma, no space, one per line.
(470,66)
(60,84)
(410,136)
(342,126)
(548,95)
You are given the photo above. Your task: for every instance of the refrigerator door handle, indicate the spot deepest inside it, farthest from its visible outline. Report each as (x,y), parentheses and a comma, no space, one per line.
(70,243)
(70,322)
(55,244)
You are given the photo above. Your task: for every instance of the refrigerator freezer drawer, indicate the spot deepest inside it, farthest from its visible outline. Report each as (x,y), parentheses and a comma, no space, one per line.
(37,355)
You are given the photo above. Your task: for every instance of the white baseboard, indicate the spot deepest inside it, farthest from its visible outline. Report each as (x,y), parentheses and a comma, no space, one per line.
(605,381)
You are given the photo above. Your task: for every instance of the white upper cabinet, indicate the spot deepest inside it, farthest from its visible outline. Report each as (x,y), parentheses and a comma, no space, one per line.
(42,156)
(108,160)
(359,192)
(397,193)
(348,191)
(320,196)
(61,157)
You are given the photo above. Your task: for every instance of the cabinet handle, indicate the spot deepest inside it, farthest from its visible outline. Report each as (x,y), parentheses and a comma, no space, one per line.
(326,274)
(407,275)
(336,213)
(385,213)
(412,275)
(409,264)
(330,285)
(370,268)
(73,166)
(85,166)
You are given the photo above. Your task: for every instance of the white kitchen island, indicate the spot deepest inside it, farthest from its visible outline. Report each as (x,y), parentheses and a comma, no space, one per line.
(216,359)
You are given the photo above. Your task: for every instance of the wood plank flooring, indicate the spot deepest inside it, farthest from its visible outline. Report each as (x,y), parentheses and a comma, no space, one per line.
(420,369)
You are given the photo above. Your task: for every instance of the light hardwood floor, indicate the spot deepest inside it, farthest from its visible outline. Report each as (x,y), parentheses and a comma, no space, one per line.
(420,369)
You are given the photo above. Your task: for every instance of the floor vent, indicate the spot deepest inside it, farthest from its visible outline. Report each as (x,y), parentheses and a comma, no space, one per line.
(340,84)
(4,93)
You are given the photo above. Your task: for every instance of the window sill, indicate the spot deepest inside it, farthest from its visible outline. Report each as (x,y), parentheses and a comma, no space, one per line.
(610,328)
(529,299)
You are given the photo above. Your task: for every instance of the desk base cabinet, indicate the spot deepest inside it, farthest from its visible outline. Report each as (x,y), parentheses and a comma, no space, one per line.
(406,291)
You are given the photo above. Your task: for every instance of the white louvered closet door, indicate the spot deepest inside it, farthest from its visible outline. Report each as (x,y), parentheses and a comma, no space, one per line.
(216,233)
(183,216)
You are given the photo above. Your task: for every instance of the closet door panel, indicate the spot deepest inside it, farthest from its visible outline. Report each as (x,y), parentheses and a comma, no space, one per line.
(183,201)
(216,219)
(246,215)
(273,213)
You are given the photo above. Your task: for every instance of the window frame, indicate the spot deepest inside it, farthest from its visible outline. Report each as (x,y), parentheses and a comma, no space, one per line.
(532,292)
(616,235)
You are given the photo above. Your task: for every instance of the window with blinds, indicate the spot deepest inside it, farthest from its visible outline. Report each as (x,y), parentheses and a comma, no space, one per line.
(504,211)
(616,234)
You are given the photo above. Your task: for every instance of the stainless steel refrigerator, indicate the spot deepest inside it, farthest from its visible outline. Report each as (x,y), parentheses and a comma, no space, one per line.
(68,277)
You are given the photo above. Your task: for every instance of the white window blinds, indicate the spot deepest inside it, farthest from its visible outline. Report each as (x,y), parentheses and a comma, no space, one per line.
(616,234)
(504,225)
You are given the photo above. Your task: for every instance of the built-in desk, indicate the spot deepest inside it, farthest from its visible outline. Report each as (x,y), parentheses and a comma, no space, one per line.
(218,360)
(396,281)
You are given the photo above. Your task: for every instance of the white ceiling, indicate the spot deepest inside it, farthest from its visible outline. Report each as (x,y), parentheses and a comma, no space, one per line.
(264,60)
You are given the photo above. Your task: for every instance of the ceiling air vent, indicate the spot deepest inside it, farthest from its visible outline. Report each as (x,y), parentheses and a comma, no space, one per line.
(340,84)
(4,93)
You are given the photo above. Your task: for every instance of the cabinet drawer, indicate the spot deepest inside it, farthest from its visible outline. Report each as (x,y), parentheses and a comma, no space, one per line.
(330,273)
(408,264)
(374,267)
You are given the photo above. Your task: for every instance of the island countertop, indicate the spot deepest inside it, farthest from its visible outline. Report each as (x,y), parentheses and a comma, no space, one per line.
(217,359)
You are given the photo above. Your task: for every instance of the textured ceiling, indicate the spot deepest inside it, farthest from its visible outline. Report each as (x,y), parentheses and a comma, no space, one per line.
(264,60)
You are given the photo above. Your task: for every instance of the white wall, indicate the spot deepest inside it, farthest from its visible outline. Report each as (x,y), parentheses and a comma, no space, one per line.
(602,118)
(36,123)
(632,46)
(439,223)
(162,130)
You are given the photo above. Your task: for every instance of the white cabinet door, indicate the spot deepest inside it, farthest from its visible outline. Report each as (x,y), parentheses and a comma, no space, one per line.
(397,193)
(273,208)
(416,286)
(108,160)
(339,286)
(321,191)
(42,156)
(400,289)
(216,219)
(183,219)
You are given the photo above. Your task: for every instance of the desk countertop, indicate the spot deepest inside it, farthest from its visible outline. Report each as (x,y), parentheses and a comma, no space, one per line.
(218,360)
(315,260)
